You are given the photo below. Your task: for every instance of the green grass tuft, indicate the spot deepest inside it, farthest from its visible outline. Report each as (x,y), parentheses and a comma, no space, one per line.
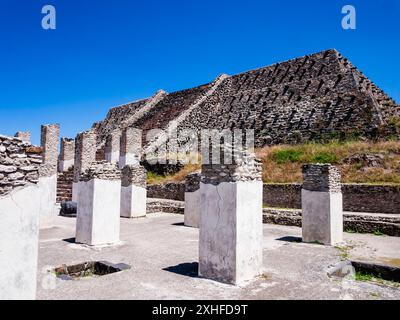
(287,156)
(324,157)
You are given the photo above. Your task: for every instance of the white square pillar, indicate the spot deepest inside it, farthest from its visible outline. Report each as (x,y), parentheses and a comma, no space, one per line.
(192,200)
(98,216)
(322,205)
(133,191)
(230,246)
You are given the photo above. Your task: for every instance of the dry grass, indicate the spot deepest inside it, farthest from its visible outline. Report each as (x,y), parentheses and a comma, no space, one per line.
(177,177)
(282,163)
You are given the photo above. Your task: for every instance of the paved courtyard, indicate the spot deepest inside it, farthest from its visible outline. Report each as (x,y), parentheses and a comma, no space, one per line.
(163,256)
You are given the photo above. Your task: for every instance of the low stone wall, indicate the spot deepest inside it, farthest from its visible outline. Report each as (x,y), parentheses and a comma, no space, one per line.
(388,224)
(282,195)
(371,198)
(356,197)
(172,191)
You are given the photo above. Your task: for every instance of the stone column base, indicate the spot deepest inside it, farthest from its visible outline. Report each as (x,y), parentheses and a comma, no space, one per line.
(322,217)
(230,246)
(192,208)
(133,202)
(19,230)
(48,197)
(98,213)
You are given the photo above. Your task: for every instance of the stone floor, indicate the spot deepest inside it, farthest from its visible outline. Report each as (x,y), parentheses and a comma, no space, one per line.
(164,254)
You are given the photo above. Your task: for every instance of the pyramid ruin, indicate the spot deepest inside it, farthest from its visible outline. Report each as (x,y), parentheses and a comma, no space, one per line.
(313,97)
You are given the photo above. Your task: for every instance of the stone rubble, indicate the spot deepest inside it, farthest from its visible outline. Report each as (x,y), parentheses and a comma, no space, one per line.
(18,166)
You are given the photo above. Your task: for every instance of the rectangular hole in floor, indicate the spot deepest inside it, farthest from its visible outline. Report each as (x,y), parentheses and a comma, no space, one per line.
(88,269)
(378,271)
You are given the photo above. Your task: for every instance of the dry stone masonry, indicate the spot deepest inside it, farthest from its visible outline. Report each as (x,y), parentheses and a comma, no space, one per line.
(230,244)
(131,147)
(19,164)
(49,142)
(322,204)
(85,156)
(50,135)
(112,146)
(67,154)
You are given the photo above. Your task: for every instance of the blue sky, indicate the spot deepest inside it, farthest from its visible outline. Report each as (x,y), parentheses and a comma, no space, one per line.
(105,53)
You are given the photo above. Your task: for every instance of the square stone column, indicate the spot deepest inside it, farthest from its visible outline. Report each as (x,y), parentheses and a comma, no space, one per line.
(133,191)
(23,135)
(130,147)
(98,216)
(112,146)
(192,199)
(67,154)
(322,204)
(50,135)
(230,244)
(85,156)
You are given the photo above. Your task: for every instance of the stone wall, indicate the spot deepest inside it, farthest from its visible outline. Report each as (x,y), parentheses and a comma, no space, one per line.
(371,198)
(171,191)
(356,197)
(355,222)
(19,164)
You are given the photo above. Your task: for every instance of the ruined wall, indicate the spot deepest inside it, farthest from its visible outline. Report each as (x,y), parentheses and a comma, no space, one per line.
(115,117)
(19,164)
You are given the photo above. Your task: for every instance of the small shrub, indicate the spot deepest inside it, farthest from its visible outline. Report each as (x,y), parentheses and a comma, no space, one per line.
(286,156)
(324,157)
(378,233)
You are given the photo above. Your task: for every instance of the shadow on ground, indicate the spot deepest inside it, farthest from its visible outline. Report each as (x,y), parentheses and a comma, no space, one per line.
(290,239)
(185,269)
(69,240)
(179,224)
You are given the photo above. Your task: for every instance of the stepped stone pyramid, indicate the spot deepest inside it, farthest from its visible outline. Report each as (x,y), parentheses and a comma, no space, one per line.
(317,96)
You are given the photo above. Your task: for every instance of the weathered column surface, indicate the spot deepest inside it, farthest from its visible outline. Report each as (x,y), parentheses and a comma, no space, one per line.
(322,204)
(192,200)
(85,156)
(133,191)
(98,216)
(48,174)
(230,245)
(130,147)
(112,146)
(67,154)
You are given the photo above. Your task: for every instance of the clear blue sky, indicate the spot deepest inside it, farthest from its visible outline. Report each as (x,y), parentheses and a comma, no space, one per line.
(105,53)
